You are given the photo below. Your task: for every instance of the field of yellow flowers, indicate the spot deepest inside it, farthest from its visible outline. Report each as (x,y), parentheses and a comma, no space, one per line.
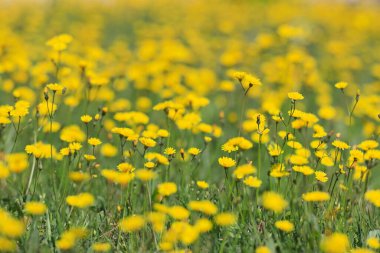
(189,126)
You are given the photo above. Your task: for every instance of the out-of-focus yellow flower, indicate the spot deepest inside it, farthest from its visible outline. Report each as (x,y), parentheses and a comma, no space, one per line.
(82,200)
(132,223)
(274,201)
(35,208)
(335,243)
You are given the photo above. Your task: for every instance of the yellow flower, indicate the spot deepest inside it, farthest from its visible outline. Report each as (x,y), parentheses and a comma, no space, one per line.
(274,201)
(226,162)
(207,139)
(295,96)
(72,133)
(250,80)
(169,151)
(132,223)
(79,176)
(82,200)
(274,150)
(335,243)
(179,212)
(7,245)
(340,144)
(341,85)
(125,167)
(145,175)
(108,150)
(225,219)
(17,162)
(316,196)
(35,208)
(55,87)
(227,147)
(70,237)
(373,196)
(59,42)
(4,120)
(244,170)
(284,225)
(10,226)
(147,142)
(89,157)
(304,169)
(202,184)
(86,118)
(239,75)
(101,247)
(321,176)
(167,188)
(149,165)
(203,225)
(94,141)
(262,249)
(373,242)
(253,182)
(162,133)
(158,220)
(204,206)
(189,234)
(368,144)
(4,171)
(194,151)
(74,146)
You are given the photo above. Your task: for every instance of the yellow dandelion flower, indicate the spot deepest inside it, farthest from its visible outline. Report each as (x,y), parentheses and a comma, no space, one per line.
(335,243)
(316,196)
(86,119)
(94,141)
(101,246)
(226,162)
(274,202)
(204,206)
(253,182)
(132,223)
(167,188)
(82,200)
(284,225)
(340,144)
(373,196)
(373,242)
(225,219)
(295,96)
(202,184)
(341,85)
(35,208)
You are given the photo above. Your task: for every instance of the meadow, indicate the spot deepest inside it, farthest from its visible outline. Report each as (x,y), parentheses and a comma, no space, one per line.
(189,126)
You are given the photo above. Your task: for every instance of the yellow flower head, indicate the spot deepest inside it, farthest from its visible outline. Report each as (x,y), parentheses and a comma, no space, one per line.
(202,184)
(55,87)
(274,202)
(225,219)
(226,162)
(35,208)
(167,188)
(295,96)
(86,118)
(132,223)
(82,200)
(94,141)
(335,243)
(284,225)
(341,85)
(316,196)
